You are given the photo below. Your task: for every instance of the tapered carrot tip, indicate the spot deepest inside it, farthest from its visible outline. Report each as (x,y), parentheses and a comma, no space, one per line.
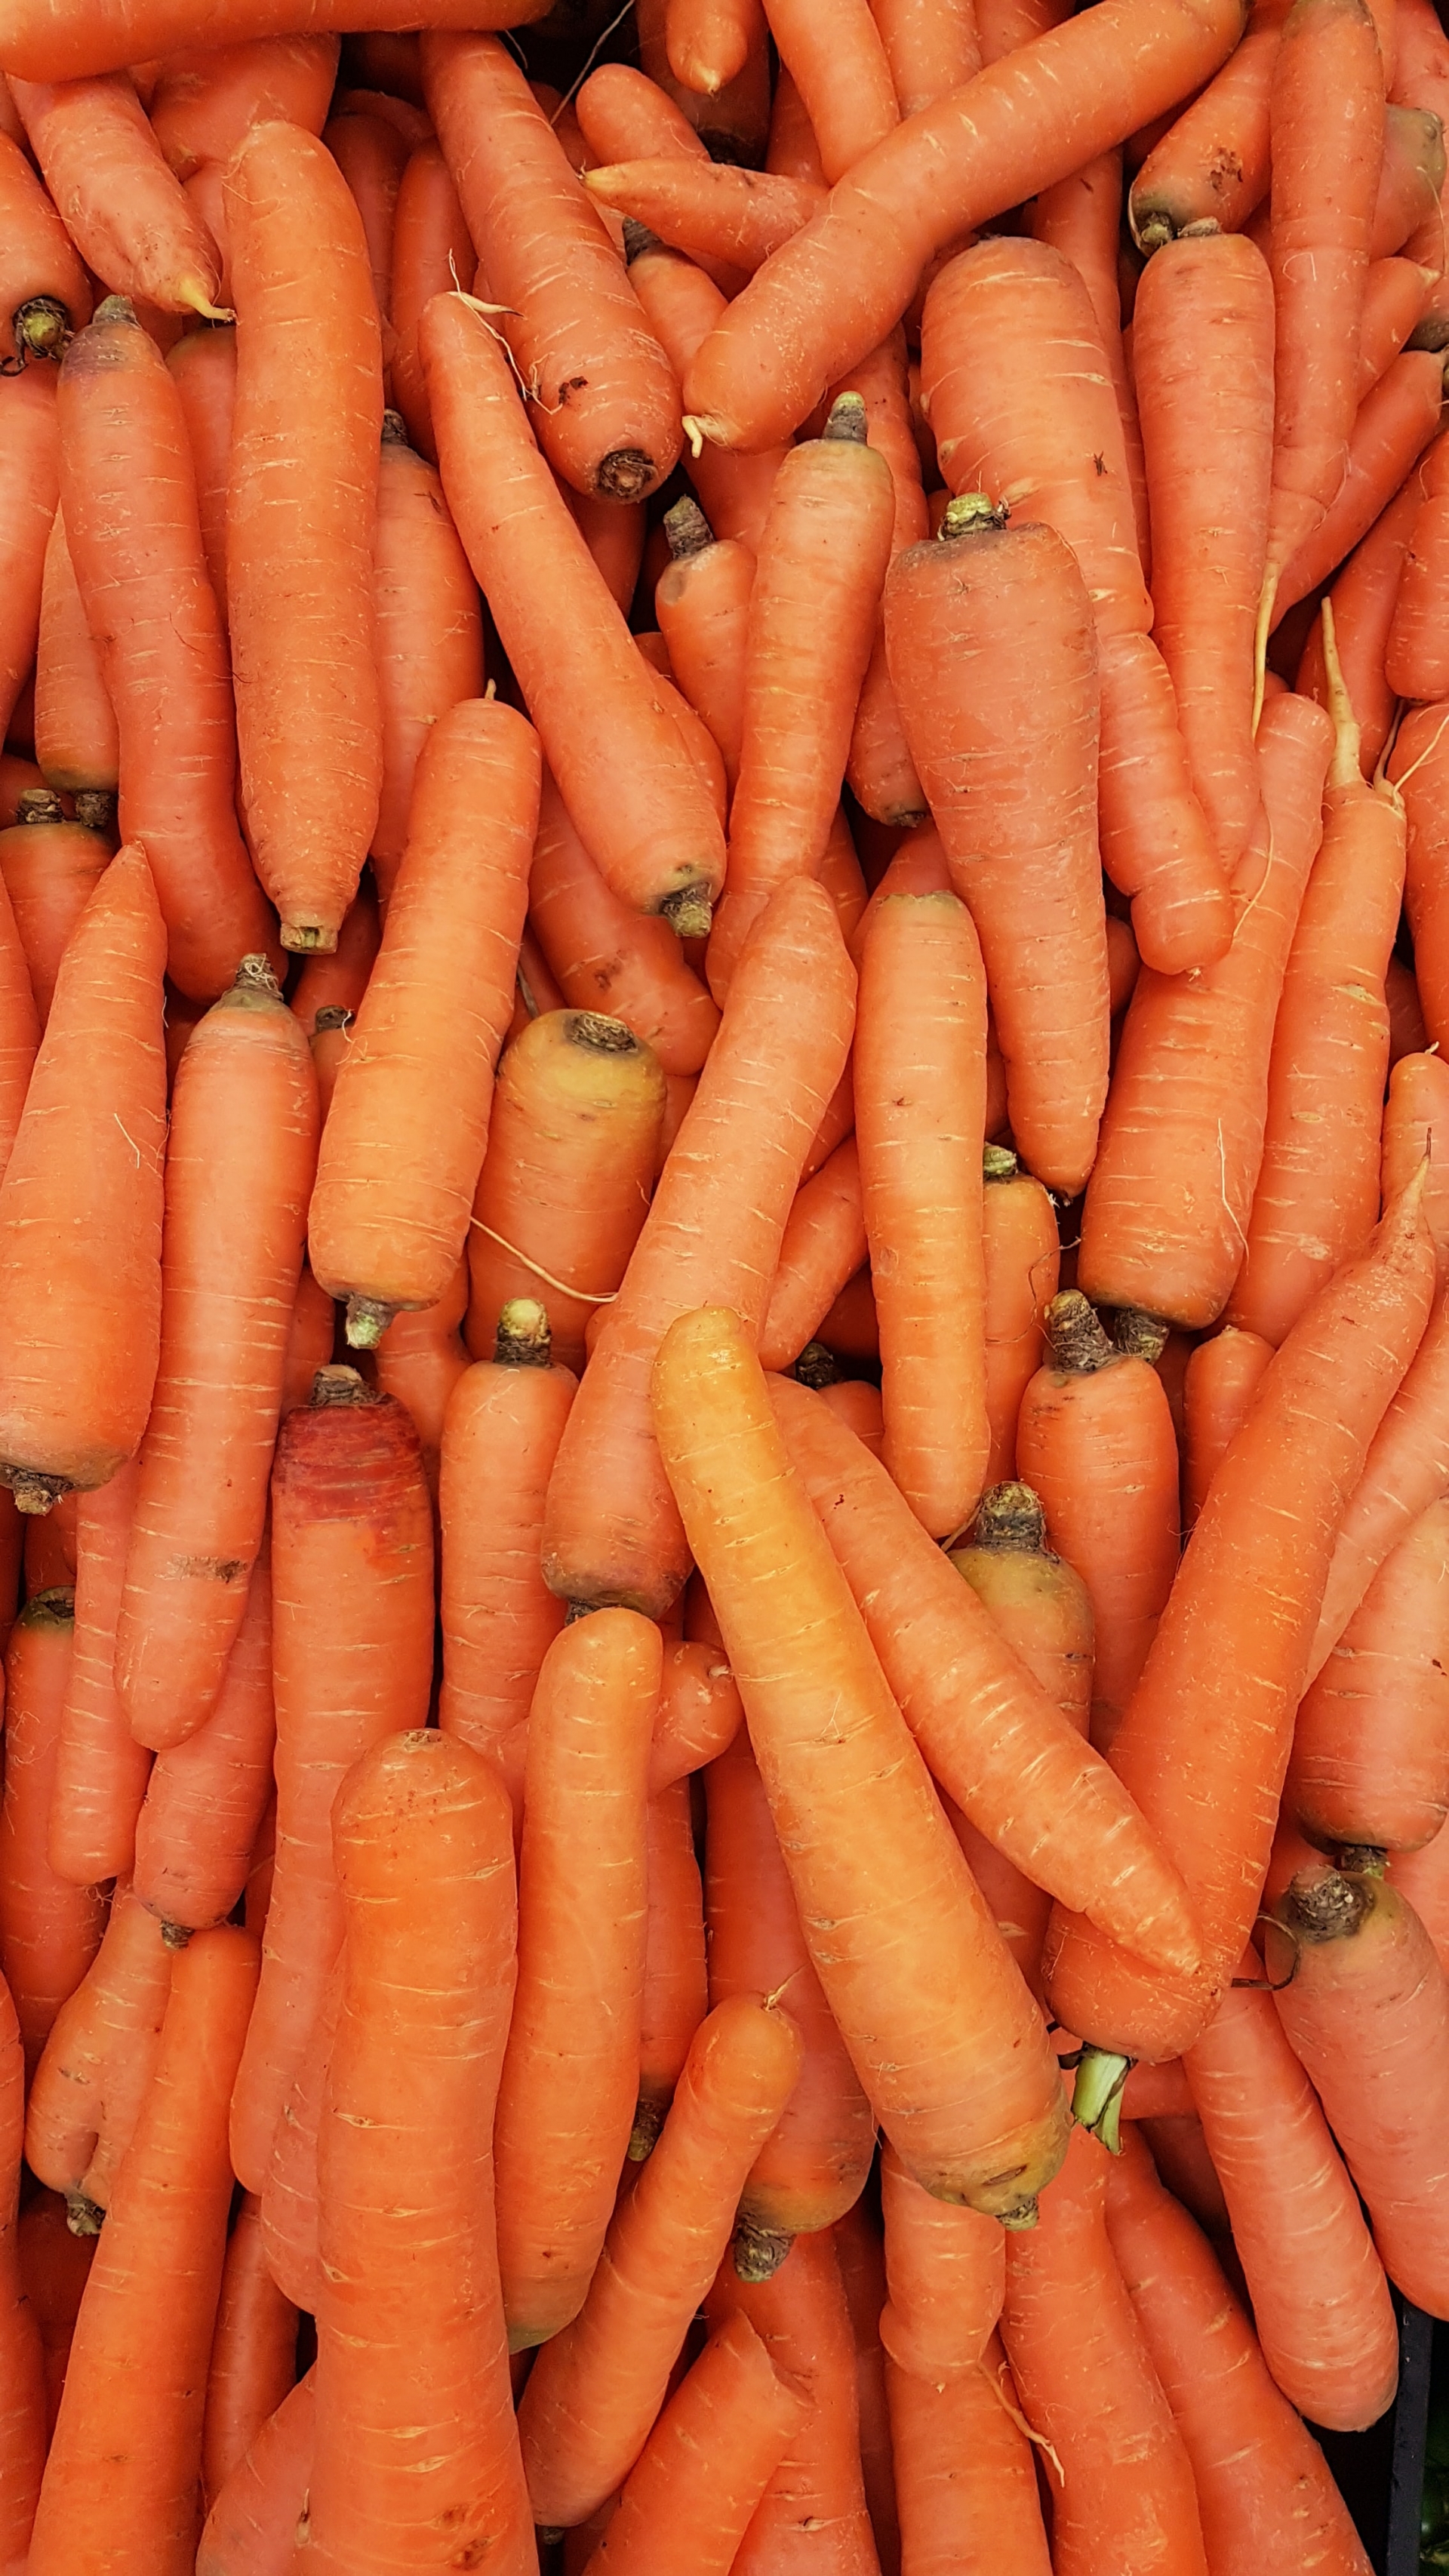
(367,1320)
(190,292)
(1097,2095)
(626,474)
(759,2251)
(523,1339)
(688,912)
(43,328)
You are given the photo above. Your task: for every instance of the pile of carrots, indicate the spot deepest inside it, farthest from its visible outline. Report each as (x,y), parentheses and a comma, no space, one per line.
(724,1281)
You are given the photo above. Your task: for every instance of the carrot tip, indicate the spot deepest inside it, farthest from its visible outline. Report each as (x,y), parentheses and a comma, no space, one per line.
(192,295)
(83,2217)
(309,938)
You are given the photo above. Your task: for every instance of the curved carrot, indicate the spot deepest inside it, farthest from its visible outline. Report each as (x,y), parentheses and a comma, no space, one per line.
(1263,2487)
(965,2475)
(44,292)
(920,1054)
(429,632)
(716,213)
(715,2448)
(123,208)
(300,515)
(566,1179)
(352,1608)
(621,766)
(100,1770)
(594,2392)
(95,2070)
(606,400)
(1205,1741)
(1041,1606)
(1371,1741)
(389,1213)
(822,1248)
(1219,1390)
(843,1823)
(206,102)
(1082,218)
(51,868)
(682,306)
(702,603)
(253,2355)
(1394,423)
(252,2524)
(676,1983)
(29,490)
(946,2275)
(803,2315)
(1416,1126)
(239,1165)
(1200,1150)
(699,1712)
(1211,167)
(206,1797)
(608,957)
(813,2166)
(76,742)
(570,2080)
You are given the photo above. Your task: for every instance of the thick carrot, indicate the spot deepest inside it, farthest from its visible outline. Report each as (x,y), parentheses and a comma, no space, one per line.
(1095,1440)
(682,306)
(976,623)
(143,31)
(203,368)
(802,2314)
(500,1437)
(1033,118)
(101,1771)
(95,2070)
(29,491)
(620,763)
(123,208)
(702,603)
(44,292)
(823,1246)
(76,742)
(253,2355)
(676,1981)
(128,2499)
(1205,1742)
(53,2268)
(1219,1389)
(1416,659)
(1082,218)
(965,2475)
(205,1798)
(352,1607)
(389,1213)
(946,2274)
(1371,1742)
(570,2079)
(1363,599)
(604,394)
(813,2166)
(713,2452)
(1263,2487)
(413,2077)
(300,516)
(240,1160)
(838,63)
(1394,297)
(51,868)
(862,1913)
(429,631)
(252,2525)
(711,210)
(1198,1151)
(1393,425)
(612,1530)
(709,41)
(566,1180)
(205,103)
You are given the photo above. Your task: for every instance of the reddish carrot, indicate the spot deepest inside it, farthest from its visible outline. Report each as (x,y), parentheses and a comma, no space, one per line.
(420,1361)
(101,1771)
(22,2367)
(253,2355)
(44,293)
(965,2478)
(29,491)
(121,205)
(429,632)
(372,155)
(1407,1468)
(715,2448)
(95,2070)
(205,102)
(731,122)
(49,1928)
(206,1797)
(1394,296)
(288,2199)
(676,1982)
(340,975)
(352,1606)
(51,868)
(309,1341)
(76,742)
(1219,1390)
(54,2266)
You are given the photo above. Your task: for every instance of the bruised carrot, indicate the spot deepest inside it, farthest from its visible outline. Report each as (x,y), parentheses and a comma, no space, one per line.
(429,632)
(76,742)
(1219,1388)
(51,868)
(101,1771)
(123,208)
(95,2070)
(44,293)
(205,1797)
(1041,1606)
(675,1994)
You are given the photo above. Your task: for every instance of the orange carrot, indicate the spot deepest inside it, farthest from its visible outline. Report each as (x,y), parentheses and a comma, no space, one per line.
(372,155)
(1219,1389)
(44,293)
(1042,1608)
(1210,169)
(1082,218)
(682,306)
(702,603)
(823,1246)
(75,724)
(1407,1469)
(716,2446)
(146,2321)
(659,844)
(570,2080)
(205,1798)
(420,1361)
(1394,296)
(205,102)
(732,121)
(100,1769)
(625,116)
(51,868)
(288,2200)
(1416,1125)
(711,210)
(1394,423)
(429,632)
(432,250)
(339,976)
(930,49)
(946,2271)
(309,1341)
(566,1179)
(253,2356)
(1371,1742)
(609,957)
(1022,1257)
(53,2268)
(253,2523)
(300,517)
(1416,664)
(389,1213)
(595,2390)
(22,2366)
(95,2070)
(352,1607)
(29,490)
(709,41)
(965,2479)
(1363,599)
(699,1712)
(203,369)
(121,205)
(676,1984)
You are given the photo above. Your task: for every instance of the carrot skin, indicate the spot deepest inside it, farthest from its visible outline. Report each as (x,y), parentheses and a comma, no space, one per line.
(96,2068)
(429,634)
(702,2472)
(965,2477)
(123,208)
(29,491)
(252,2525)
(206,1797)
(253,2356)
(41,265)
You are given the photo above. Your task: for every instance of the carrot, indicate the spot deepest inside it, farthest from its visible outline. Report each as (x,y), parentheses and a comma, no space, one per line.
(716,2446)
(141,2341)
(570,2077)
(75,724)
(594,2392)
(1205,1741)
(823,1246)
(1211,167)
(1393,425)
(1082,218)
(1326,111)
(51,868)
(723,217)
(1220,1388)
(1416,765)
(500,1436)
(699,1713)
(352,1607)
(253,2522)
(839,67)
(1021,1254)
(813,610)
(731,122)
(44,293)
(814,2165)
(1199,1153)
(100,1771)
(1416,663)
(566,1179)
(420,1361)
(1411,178)
(946,2271)
(95,2070)
(29,490)
(604,393)
(203,369)
(205,103)
(930,49)
(1034,118)
(432,249)
(1263,2487)
(676,1986)
(661,850)
(1394,296)
(1416,1126)
(429,632)
(143,31)
(920,1104)
(389,1213)
(682,305)
(54,2266)
(612,1530)
(965,2481)
(339,976)
(253,2356)
(372,155)
(1371,1743)
(205,1797)
(625,116)
(22,2365)
(1407,1468)
(702,603)
(1363,599)
(121,205)
(1041,1606)
(709,41)
(300,519)
(614,532)
(288,2200)
(1095,1440)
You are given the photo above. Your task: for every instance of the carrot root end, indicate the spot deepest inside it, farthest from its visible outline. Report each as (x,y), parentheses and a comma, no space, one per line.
(367,1320)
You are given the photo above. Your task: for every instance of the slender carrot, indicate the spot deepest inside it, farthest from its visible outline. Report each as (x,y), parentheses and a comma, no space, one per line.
(1417,766)
(372,155)
(309,1341)
(432,250)
(95,2070)
(732,121)
(22,2364)
(1211,167)
(429,632)
(566,1179)
(715,2448)
(352,1606)
(206,102)
(946,2272)
(29,491)
(288,2199)
(76,742)
(1394,296)
(570,2078)
(823,1246)
(252,2525)
(965,2479)
(1082,218)
(253,2355)
(44,292)
(1407,1468)
(128,2499)
(1263,2487)
(1219,1390)
(594,2392)
(625,116)
(1205,1741)
(682,306)
(1022,1257)
(609,958)
(123,208)
(49,1928)
(340,975)
(203,369)
(1393,425)
(702,604)
(51,868)
(699,1713)
(659,844)
(1363,599)
(206,1797)
(420,1361)
(100,1770)
(676,1982)
(389,1213)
